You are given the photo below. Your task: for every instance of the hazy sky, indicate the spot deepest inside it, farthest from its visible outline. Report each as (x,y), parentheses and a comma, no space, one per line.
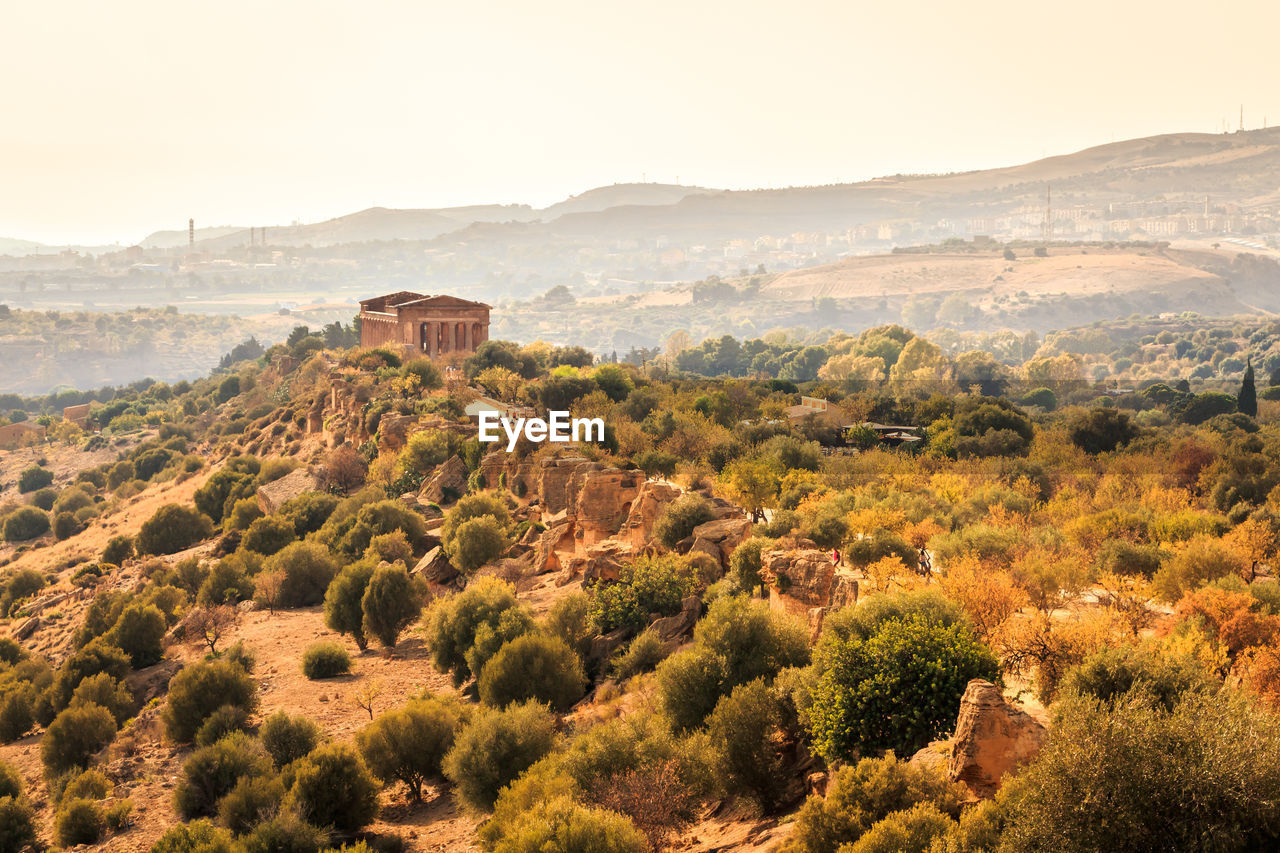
(125,117)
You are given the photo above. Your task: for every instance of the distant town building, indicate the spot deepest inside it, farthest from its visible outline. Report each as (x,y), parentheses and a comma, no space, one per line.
(431,325)
(21,434)
(78,415)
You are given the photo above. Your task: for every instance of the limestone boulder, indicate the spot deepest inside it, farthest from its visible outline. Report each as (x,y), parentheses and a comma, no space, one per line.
(679,626)
(602,561)
(434,567)
(992,739)
(718,538)
(807,576)
(604,645)
(394,429)
(271,496)
(447,483)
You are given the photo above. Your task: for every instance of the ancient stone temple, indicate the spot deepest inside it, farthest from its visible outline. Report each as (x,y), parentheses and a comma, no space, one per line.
(432,325)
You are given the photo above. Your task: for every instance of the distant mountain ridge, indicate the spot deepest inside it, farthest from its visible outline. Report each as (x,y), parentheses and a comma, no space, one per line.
(1241,169)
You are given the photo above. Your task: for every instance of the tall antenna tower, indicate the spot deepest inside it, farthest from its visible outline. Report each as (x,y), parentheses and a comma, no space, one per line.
(1046,227)
(191,236)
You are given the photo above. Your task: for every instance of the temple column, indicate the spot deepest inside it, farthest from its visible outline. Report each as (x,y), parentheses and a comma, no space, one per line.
(429,338)
(466,337)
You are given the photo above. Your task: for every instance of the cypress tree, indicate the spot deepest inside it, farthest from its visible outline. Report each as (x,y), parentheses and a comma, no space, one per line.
(1247,402)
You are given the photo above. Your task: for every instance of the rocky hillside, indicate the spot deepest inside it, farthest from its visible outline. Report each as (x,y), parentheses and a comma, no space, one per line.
(310,609)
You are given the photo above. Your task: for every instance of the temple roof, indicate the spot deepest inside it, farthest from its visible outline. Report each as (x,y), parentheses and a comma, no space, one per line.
(406,299)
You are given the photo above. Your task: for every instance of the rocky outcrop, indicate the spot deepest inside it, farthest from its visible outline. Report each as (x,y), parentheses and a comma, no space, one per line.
(679,626)
(604,500)
(271,496)
(557,538)
(434,567)
(447,483)
(650,500)
(601,562)
(992,739)
(555,484)
(152,681)
(804,578)
(718,538)
(394,429)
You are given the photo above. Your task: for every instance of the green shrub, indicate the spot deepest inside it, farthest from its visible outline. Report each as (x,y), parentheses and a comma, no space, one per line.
(914,830)
(1112,674)
(307,567)
(10,651)
(268,535)
(746,725)
(225,487)
(409,744)
(17,588)
(309,511)
(117,815)
(570,620)
(26,522)
(98,656)
(496,747)
(642,654)
(744,564)
(877,546)
(284,833)
(212,771)
(680,517)
(564,826)
(1101,429)
(199,690)
(288,738)
(253,800)
(325,660)
(477,542)
(44,498)
(476,531)
(1204,776)
(533,667)
(107,691)
(198,836)
(332,787)
(117,550)
(173,528)
(34,478)
(861,795)
(243,513)
(222,722)
(651,584)
(739,640)
(454,622)
(343,601)
(17,825)
(1202,559)
(65,526)
(139,633)
(75,736)
(228,582)
(898,689)
(79,822)
(89,785)
(392,601)
(10,781)
(350,536)
(17,713)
